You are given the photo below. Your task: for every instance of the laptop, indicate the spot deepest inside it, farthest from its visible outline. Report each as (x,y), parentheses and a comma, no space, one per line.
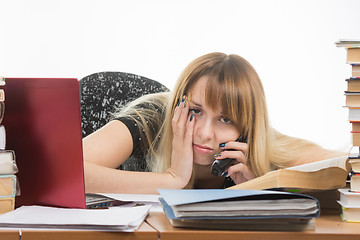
(43,127)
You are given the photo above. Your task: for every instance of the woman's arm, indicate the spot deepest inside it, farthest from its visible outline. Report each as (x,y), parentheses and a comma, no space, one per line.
(106,149)
(110,146)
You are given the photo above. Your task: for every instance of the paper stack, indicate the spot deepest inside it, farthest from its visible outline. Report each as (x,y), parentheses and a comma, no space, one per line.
(124,219)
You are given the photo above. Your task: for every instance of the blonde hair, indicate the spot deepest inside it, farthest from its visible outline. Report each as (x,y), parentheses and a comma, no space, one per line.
(234,84)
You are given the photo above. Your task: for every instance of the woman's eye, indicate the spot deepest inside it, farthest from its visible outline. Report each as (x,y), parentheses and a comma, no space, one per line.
(195,111)
(225,120)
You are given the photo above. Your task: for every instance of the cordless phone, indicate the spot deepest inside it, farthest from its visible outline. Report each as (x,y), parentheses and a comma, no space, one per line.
(219,166)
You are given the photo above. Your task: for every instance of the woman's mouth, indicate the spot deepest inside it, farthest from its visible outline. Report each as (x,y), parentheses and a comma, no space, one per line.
(202,149)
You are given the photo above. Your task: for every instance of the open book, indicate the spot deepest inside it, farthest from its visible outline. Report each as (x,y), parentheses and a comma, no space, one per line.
(322,175)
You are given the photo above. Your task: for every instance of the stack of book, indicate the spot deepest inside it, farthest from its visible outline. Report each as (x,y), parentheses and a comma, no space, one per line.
(352,93)
(8,168)
(350,205)
(350,197)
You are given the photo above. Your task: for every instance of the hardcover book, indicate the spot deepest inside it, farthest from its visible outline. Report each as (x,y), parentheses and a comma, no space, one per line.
(350,205)
(7,162)
(8,185)
(355,70)
(349,198)
(352,99)
(7,204)
(354,161)
(353,84)
(353,55)
(355,182)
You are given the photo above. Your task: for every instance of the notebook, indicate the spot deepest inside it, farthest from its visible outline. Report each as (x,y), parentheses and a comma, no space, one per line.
(43,127)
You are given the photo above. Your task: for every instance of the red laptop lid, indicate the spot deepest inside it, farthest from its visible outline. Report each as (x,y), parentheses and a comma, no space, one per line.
(43,127)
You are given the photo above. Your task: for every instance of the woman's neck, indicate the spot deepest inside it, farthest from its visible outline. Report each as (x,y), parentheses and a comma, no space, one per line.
(204,179)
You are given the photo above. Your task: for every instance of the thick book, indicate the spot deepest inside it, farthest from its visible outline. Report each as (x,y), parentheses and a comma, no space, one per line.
(352,99)
(2,137)
(352,47)
(349,198)
(322,175)
(350,214)
(8,186)
(355,70)
(355,182)
(355,126)
(354,115)
(348,43)
(353,55)
(350,205)
(355,138)
(353,84)
(354,161)
(2,104)
(7,162)
(7,204)
(2,95)
(239,209)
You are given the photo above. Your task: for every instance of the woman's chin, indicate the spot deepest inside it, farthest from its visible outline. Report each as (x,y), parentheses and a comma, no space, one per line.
(203,162)
(203,159)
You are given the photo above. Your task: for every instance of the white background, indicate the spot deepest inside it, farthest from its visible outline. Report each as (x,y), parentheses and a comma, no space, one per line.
(290,44)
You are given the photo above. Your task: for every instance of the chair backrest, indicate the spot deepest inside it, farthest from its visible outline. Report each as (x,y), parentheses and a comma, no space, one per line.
(102,93)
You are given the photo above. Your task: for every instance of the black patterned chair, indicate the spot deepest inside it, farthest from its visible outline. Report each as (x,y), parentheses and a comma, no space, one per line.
(102,93)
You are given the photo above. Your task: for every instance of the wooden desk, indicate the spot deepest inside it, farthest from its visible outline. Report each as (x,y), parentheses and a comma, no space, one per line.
(9,234)
(328,226)
(145,232)
(157,226)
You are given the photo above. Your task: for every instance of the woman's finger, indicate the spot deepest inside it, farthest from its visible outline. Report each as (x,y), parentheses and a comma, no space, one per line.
(177,120)
(240,156)
(240,173)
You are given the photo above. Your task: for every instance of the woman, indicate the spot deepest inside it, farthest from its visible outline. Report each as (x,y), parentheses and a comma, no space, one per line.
(217,98)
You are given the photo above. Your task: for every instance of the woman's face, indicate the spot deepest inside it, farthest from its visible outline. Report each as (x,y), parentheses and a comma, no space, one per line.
(211,128)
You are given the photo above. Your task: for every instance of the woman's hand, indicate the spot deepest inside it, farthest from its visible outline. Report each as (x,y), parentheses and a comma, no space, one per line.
(240,171)
(182,150)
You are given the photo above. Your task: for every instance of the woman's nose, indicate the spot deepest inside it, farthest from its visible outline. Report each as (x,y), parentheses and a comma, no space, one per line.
(205,129)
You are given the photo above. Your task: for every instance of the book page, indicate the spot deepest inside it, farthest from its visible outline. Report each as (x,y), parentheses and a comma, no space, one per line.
(315,166)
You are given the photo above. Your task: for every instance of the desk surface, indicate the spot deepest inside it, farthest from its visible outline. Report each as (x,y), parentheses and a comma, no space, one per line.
(157,226)
(9,234)
(328,226)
